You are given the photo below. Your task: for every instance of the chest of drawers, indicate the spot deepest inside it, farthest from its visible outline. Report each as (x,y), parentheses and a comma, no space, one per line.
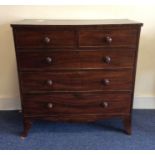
(76,70)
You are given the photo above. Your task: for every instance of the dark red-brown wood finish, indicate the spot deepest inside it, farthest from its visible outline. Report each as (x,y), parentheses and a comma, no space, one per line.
(76,70)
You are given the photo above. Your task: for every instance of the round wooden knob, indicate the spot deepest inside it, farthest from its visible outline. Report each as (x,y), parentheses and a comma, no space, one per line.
(104,104)
(49,82)
(106,81)
(47,40)
(109,39)
(50,105)
(107,59)
(49,60)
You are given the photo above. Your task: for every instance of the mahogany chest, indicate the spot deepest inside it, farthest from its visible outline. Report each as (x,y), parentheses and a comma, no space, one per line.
(76,70)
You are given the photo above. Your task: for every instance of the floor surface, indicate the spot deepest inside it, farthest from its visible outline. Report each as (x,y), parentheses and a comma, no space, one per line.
(102,135)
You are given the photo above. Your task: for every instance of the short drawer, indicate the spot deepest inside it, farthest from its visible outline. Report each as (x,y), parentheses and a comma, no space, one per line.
(76,103)
(44,39)
(108,38)
(101,59)
(76,80)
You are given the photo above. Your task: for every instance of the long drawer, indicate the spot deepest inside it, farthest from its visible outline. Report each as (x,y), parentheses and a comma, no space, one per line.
(76,80)
(76,103)
(105,58)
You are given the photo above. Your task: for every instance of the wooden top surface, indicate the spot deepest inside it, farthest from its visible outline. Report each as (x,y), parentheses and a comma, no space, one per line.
(76,22)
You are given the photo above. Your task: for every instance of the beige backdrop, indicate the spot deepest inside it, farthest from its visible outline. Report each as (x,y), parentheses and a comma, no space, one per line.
(145,80)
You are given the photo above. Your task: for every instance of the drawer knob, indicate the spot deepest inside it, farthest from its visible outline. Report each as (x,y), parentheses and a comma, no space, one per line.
(50,105)
(49,82)
(104,104)
(109,39)
(107,59)
(106,81)
(48,60)
(47,40)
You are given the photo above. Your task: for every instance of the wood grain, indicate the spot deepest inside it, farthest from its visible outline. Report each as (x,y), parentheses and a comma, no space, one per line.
(76,80)
(77,103)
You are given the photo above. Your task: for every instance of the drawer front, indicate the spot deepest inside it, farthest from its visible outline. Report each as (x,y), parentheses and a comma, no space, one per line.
(76,80)
(108,58)
(74,103)
(108,38)
(44,39)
